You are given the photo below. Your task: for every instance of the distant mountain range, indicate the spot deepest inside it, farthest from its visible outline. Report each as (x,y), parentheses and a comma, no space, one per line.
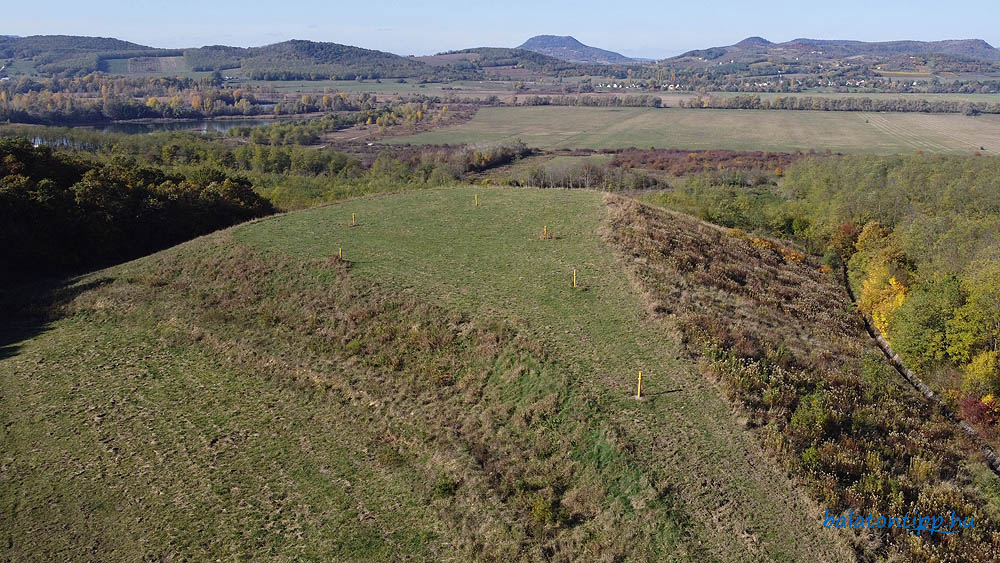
(827,49)
(67,55)
(64,55)
(569,49)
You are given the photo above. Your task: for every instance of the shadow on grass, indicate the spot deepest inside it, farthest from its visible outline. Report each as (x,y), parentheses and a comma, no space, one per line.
(27,308)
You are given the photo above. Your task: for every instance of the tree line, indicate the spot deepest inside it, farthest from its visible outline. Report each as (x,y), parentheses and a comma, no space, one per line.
(635,101)
(124,100)
(60,211)
(851,103)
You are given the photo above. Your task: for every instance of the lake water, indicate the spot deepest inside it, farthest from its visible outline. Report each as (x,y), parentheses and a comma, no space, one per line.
(195,125)
(204,126)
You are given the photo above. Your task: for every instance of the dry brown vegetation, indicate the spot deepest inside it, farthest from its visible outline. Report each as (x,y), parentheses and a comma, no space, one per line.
(781,340)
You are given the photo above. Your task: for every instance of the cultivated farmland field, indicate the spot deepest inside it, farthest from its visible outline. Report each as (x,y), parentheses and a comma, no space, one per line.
(554,127)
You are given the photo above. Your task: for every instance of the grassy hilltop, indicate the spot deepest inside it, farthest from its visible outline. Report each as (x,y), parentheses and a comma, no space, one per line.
(447,396)
(443,393)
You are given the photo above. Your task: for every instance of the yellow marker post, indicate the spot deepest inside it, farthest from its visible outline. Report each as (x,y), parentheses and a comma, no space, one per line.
(477,200)
(545,230)
(638,390)
(341,253)
(574,277)
(354,220)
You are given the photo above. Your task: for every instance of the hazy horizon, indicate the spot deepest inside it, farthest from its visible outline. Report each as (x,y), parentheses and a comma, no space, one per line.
(646,30)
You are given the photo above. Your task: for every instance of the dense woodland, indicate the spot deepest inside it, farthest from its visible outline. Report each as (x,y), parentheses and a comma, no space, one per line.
(60,212)
(65,55)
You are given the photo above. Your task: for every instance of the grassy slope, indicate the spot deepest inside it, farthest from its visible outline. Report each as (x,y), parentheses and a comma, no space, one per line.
(571,127)
(207,401)
(125,448)
(493,262)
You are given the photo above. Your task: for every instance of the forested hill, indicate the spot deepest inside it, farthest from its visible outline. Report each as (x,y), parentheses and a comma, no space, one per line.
(71,55)
(821,49)
(68,54)
(305,59)
(14,46)
(569,49)
(487,57)
(289,60)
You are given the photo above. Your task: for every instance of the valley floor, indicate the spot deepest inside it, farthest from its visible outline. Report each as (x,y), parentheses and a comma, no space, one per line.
(552,127)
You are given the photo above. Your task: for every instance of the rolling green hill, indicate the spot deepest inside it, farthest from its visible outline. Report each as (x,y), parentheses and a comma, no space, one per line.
(443,392)
(304,59)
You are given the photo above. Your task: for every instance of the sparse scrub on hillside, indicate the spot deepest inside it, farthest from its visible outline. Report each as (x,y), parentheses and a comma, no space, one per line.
(777,334)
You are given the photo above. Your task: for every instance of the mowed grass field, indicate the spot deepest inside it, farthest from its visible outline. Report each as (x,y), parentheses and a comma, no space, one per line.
(553,127)
(238,397)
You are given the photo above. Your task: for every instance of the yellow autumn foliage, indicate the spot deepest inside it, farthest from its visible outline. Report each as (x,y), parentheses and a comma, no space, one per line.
(881,296)
(982,374)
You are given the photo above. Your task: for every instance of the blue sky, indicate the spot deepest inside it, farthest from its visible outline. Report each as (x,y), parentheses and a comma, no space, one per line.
(642,29)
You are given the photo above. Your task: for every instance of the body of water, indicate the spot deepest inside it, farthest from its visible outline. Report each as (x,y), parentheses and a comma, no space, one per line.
(130,128)
(204,126)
